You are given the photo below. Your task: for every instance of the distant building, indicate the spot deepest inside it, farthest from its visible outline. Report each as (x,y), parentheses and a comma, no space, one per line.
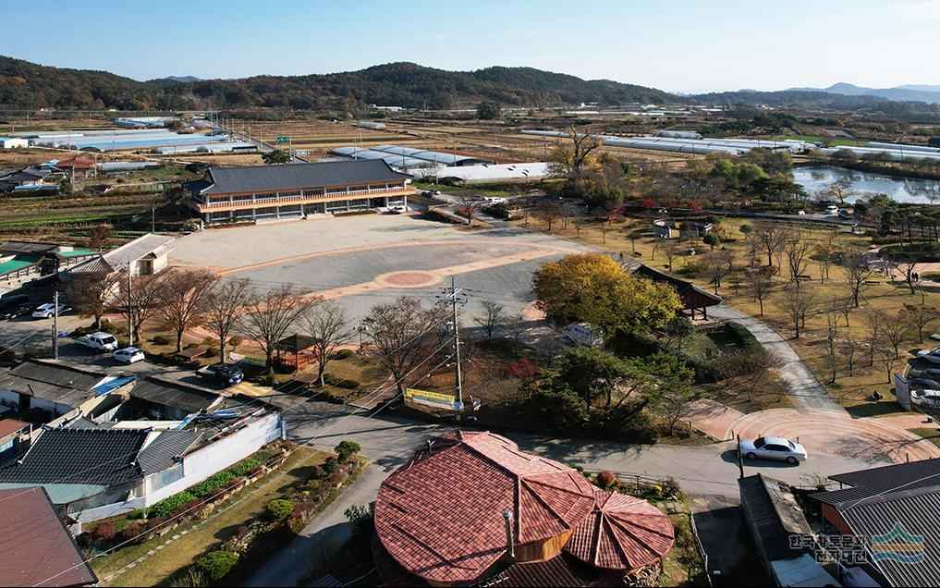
(678,134)
(295,191)
(24,177)
(145,255)
(694,299)
(13,143)
(670,229)
(25,260)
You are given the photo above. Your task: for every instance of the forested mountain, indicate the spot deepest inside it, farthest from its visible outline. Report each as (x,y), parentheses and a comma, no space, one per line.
(28,85)
(912,93)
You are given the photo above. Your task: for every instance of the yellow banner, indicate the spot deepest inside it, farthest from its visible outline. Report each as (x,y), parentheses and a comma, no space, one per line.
(430,398)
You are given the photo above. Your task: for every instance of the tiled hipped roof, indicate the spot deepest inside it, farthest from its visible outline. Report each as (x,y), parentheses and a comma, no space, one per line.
(622,533)
(441,516)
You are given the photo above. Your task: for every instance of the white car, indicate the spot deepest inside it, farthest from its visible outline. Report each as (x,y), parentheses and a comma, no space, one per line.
(933,355)
(832,210)
(47,310)
(128,355)
(99,341)
(777,448)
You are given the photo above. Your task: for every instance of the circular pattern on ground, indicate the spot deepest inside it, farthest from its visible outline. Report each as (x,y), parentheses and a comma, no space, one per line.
(408,279)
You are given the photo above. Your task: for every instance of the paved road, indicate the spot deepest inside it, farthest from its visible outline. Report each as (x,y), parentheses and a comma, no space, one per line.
(807,392)
(707,473)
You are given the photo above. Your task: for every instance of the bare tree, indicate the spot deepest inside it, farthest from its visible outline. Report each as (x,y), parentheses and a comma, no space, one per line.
(908,268)
(919,317)
(753,248)
(772,238)
(469,205)
(893,333)
(797,251)
(268,317)
(832,352)
(405,335)
(90,294)
(888,361)
(874,319)
(548,214)
(571,159)
(840,191)
(139,302)
(797,303)
(494,316)
(185,293)
(330,329)
(825,252)
(850,348)
(759,283)
(717,265)
(670,249)
(223,306)
(857,272)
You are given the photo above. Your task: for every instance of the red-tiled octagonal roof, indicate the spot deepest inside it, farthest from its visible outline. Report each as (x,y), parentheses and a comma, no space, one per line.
(441,516)
(622,533)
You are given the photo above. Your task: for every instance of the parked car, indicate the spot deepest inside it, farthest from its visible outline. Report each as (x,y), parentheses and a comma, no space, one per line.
(928,373)
(11,301)
(225,374)
(47,310)
(932,355)
(99,341)
(777,448)
(16,311)
(128,355)
(582,334)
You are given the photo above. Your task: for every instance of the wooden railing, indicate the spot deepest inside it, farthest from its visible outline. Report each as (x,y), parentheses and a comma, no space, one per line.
(267,201)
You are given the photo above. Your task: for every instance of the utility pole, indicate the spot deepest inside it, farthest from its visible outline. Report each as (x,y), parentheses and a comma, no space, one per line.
(454,295)
(130,307)
(55,325)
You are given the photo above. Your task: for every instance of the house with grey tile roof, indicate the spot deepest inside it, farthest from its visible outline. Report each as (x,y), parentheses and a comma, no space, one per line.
(297,190)
(145,256)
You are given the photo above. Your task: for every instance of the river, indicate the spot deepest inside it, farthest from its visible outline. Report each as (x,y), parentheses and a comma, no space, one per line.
(817,179)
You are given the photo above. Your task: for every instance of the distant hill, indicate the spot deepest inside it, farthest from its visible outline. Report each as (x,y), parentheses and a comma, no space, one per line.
(910,93)
(28,85)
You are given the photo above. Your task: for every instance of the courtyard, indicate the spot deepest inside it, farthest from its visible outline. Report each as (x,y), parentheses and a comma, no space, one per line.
(371,259)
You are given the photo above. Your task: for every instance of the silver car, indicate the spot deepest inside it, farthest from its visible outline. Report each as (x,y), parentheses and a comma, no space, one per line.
(777,448)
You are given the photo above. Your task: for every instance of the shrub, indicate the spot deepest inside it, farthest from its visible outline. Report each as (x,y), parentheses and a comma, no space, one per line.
(159,340)
(104,532)
(606,479)
(344,354)
(132,531)
(346,449)
(169,506)
(278,509)
(216,564)
(329,466)
(341,382)
(244,467)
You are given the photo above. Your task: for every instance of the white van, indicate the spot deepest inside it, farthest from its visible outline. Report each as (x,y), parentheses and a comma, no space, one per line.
(582,334)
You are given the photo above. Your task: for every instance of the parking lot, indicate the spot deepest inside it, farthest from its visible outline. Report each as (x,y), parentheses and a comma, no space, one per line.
(370,259)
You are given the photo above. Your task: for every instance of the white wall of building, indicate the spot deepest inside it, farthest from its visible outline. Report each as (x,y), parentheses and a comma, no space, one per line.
(197,466)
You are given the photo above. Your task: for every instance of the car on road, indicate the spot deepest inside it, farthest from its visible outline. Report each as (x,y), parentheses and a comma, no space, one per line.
(128,355)
(11,301)
(99,341)
(16,311)
(47,310)
(776,448)
(832,210)
(225,374)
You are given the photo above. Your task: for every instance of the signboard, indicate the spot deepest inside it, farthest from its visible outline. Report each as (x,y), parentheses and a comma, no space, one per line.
(281,139)
(433,399)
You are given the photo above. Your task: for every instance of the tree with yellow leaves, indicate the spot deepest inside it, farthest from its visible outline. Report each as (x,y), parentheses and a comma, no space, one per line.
(595,289)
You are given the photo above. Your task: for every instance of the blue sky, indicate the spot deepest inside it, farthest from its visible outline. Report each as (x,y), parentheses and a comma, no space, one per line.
(674,45)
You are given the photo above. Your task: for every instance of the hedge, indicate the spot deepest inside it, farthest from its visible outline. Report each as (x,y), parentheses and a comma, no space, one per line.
(216,564)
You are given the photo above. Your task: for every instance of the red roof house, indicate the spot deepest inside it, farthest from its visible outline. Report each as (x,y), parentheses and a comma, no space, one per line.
(622,533)
(470,501)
